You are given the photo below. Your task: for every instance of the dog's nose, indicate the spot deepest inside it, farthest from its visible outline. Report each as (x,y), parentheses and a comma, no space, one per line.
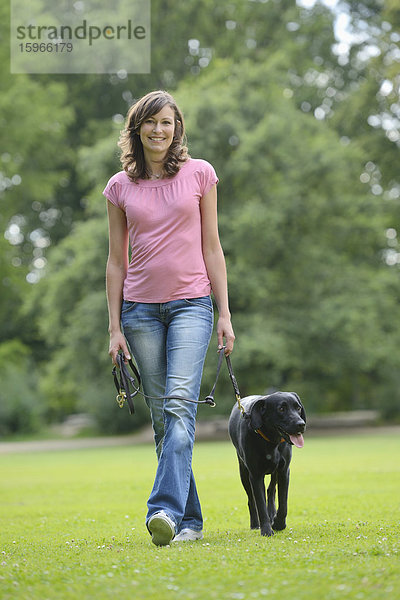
(301,426)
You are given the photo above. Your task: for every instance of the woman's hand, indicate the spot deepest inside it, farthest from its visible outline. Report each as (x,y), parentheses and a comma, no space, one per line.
(117,343)
(225,331)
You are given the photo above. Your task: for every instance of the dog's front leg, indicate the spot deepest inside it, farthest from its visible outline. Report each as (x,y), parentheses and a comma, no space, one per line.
(283,490)
(258,487)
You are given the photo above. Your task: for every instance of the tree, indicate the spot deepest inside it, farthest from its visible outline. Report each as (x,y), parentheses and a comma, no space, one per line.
(371,112)
(311,294)
(284,119)
(32,168)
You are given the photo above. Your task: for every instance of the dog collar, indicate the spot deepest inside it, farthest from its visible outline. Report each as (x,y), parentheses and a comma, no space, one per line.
(265,437)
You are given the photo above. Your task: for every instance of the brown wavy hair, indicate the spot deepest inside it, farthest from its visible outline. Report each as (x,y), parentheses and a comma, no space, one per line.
(132,155)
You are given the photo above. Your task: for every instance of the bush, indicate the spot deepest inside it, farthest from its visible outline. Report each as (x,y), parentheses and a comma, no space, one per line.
(21,408)
(99,401)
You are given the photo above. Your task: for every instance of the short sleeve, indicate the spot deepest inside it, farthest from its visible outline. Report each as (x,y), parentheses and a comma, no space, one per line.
(112,192)
(209,177)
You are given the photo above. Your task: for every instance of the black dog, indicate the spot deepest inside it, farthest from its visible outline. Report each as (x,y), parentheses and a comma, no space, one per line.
(263,436)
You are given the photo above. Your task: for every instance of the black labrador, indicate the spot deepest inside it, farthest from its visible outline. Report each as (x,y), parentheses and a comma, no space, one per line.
(263,435)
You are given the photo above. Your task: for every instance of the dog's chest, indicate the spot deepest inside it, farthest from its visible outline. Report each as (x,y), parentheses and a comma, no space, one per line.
(270,459)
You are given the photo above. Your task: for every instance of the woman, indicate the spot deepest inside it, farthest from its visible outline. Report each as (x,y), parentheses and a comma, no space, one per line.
(165,203)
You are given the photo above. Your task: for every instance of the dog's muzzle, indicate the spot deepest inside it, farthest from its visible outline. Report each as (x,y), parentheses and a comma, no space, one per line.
(295,439)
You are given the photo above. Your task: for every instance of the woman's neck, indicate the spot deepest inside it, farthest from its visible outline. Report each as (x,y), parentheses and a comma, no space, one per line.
(154,166)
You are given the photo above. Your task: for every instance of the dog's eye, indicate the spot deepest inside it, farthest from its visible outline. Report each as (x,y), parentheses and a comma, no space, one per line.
(299,409)
(282,408)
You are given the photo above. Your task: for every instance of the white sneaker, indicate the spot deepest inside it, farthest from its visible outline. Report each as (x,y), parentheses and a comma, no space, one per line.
(188,535)
(162,529)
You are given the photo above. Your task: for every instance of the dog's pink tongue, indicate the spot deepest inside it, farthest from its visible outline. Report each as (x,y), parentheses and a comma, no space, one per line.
(297,440)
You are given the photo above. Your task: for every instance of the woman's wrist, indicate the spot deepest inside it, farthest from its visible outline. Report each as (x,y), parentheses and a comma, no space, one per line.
(114,329)
(224,314)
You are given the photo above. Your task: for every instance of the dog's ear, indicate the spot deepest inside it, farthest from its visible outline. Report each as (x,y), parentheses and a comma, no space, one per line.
(303,412)
(257,413)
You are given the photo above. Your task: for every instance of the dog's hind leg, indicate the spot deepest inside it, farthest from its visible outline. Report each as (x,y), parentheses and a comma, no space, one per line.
(244,476)
(279,522)
(271,508)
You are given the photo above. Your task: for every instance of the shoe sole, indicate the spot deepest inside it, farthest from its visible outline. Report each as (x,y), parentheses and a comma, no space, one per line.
(161,531)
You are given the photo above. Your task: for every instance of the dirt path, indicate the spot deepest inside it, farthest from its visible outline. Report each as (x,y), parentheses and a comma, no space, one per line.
(205,431)
(215,430)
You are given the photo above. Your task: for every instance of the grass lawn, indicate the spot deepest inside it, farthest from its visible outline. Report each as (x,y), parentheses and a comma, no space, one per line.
(72,526)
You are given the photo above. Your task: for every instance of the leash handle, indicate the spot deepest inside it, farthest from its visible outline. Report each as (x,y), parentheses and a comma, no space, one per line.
(210,398)
(125,381)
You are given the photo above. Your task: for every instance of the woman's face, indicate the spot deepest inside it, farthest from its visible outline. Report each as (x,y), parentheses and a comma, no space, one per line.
(157,132)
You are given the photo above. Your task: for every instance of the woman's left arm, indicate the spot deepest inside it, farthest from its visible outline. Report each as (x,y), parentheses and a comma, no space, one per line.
(216,268)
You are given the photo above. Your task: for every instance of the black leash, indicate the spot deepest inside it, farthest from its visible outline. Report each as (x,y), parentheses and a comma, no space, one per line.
(231,375)
(124,382)
(210,396)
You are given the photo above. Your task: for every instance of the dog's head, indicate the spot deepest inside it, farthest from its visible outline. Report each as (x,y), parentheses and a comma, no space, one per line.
(282,412)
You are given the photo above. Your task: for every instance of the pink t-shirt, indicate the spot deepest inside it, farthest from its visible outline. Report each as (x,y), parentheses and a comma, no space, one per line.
(164,225)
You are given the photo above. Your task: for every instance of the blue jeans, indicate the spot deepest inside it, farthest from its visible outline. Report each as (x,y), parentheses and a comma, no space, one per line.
(169,342)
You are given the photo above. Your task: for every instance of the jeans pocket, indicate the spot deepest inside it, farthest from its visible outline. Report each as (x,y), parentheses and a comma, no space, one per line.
(203,302)
(127,305)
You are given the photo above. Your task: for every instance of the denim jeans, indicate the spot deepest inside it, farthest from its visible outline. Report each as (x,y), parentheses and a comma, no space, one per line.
(169,342)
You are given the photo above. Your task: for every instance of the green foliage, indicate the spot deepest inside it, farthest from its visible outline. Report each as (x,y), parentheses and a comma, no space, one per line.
(371,112)
(303,239)
(21,406)
(286,122)
(36,146)
(11,290)
(83,512)
(34,118)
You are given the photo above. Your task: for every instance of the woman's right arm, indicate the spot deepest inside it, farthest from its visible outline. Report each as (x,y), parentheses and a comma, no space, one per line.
(117,265)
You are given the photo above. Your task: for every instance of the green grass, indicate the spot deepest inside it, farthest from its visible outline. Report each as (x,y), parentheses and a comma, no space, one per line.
(72,526)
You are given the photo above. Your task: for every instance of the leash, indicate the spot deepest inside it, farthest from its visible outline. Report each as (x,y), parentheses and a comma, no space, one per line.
(237,395)
(233,380)
(126,381)
(128,386)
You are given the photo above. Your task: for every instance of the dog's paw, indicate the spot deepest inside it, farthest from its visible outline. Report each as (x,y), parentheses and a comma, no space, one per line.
(279,524)
(267,531)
